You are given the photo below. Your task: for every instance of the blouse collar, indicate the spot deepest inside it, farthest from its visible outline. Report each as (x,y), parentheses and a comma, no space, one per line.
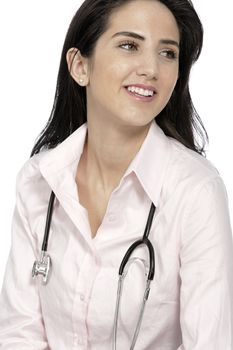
(149,165)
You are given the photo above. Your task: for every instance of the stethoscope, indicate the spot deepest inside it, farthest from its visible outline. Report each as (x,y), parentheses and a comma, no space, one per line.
(43,267)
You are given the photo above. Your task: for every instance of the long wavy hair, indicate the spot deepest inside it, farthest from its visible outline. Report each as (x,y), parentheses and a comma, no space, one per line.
(178,119)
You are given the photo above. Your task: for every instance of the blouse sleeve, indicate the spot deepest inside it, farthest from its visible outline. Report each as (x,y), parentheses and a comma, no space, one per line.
(206,298)
(21,324)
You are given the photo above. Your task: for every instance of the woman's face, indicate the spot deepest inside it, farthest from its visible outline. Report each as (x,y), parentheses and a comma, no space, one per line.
(135,65)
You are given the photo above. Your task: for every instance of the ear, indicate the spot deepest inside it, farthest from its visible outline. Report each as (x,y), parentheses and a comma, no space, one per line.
(77,66)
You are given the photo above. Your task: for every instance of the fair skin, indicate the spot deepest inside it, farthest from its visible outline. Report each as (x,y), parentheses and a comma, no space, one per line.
(118,120)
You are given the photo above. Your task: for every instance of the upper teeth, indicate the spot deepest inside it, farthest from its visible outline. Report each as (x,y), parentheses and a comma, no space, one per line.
(140,91)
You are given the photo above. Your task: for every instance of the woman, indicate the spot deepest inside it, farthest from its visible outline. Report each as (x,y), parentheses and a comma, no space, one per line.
(123,95)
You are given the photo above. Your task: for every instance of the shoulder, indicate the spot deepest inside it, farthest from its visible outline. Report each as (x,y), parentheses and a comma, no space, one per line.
(31,187)
(30,170)
(188,171)
(189,164)
(190,161)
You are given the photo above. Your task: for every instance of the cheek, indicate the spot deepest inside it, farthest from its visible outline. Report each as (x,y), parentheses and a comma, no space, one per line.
(169,80)
(107,77)
(117,72)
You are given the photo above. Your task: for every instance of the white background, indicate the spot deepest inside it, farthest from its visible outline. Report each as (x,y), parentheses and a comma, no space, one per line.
(32,35)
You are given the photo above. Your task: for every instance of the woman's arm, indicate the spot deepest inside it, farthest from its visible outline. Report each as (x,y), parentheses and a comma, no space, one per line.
(21,324)
(206,309)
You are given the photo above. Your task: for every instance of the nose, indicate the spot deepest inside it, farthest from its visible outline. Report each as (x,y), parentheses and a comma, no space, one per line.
(148,66)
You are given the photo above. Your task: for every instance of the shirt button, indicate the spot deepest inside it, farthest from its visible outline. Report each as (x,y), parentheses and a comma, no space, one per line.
(111,217)
(75,339)
(82,298)
(80,341)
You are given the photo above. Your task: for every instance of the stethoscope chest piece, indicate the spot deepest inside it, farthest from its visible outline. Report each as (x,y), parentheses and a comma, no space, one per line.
(42,267)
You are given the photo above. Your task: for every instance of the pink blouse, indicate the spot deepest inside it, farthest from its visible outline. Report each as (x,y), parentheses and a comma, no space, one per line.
(190,306)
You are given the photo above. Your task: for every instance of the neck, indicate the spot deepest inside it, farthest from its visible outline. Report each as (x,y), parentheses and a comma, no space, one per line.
(108,151)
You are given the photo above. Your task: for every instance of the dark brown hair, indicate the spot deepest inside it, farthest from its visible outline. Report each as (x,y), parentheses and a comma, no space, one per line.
(178,119)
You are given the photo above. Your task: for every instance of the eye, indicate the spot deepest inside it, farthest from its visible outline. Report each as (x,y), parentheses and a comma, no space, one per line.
(129,45)
(170,54)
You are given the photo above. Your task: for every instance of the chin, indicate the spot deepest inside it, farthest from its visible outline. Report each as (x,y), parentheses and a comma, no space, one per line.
(137,122)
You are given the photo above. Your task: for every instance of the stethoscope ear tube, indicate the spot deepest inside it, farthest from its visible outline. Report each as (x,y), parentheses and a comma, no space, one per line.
(48,222)
(149,245)
(143,241)
(149,221)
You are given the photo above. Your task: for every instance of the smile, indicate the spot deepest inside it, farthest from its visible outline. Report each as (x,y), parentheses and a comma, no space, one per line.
(141,93)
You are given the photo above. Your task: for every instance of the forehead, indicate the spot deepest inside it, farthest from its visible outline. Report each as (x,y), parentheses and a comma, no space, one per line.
(149,16)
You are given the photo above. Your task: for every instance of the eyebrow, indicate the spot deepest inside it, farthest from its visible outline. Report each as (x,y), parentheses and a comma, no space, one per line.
(140,37)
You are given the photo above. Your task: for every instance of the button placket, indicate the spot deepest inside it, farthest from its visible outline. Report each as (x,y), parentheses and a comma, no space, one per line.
(84,284)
